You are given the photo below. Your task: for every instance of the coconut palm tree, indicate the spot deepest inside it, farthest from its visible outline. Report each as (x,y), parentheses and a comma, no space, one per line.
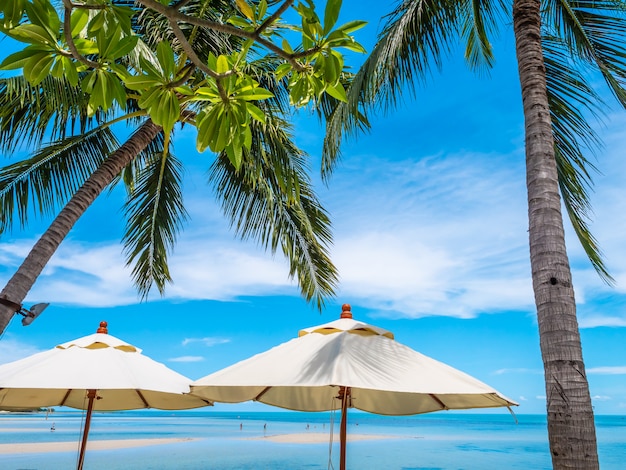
(262,182)
(557,43)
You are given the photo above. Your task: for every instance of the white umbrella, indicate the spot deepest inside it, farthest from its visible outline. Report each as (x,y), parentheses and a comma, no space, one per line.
(97,372)
(348,364)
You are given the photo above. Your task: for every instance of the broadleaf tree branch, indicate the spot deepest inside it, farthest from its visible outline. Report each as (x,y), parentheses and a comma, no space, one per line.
(173,14)
(67,32)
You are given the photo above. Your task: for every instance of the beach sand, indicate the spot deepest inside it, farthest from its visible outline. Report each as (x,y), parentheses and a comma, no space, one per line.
(320,437)
(69,446)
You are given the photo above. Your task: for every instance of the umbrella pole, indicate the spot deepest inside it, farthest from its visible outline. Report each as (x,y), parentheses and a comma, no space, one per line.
(344,394)
(91,394)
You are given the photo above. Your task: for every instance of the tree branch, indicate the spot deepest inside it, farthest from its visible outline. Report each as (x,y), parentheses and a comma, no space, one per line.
(174,15)
(196,60)
(266,24)
(67,32)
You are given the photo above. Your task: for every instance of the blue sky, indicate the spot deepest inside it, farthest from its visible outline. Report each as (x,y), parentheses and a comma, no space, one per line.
(430,238)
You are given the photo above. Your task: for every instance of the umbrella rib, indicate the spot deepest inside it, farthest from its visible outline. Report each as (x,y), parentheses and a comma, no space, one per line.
(142,398)
(67,394)
(442,404)
(260,395)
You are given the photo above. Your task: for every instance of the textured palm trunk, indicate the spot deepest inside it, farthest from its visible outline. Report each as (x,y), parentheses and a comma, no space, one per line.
(571,427)
(23,280)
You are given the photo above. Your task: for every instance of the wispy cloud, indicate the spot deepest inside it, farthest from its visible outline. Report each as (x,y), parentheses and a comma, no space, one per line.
(607,370)
(13,350)
(413,237)
(601,398)
(207,341)
(187,359)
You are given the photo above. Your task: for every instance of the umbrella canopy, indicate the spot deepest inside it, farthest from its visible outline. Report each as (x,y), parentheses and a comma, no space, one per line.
(385,377)
(97,372)
(348,364)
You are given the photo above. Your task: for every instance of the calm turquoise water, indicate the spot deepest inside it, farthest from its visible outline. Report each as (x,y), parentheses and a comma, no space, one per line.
(426,442)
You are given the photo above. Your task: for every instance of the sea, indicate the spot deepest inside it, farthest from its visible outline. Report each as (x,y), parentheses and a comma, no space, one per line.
(238,440)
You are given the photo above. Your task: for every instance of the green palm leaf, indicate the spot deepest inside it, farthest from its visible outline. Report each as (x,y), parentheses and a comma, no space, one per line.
(479,20)
(417,33)
(595,31)
(568,95)
(50,177)
(29,115)
(270,199)
(154,213)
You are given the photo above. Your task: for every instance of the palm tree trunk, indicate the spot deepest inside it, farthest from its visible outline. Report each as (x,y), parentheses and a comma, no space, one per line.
(571,427)
(24,278)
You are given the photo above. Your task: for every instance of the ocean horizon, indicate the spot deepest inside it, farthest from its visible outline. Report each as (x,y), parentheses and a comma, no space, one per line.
(228,440)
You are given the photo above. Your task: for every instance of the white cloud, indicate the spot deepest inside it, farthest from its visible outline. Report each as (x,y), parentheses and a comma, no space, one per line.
(208,341)
(540,397)
(187,359)
(13,350)
(522,398)
(607,370)
(597,321)
(601,398)
(419,236)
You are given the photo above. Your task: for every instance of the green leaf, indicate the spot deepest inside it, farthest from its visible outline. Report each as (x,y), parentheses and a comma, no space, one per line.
(262,9)
(255,112)
(19,59)
(222,65)
(124,47)
(86,46)
(42,13)
(207,123)
(38,67)
(351,26)
(223,135)
(331,14)
(245,8)
(254,94)
(79,19)
(13,11)
(165,54)
(69,69)
(337,91)
(31,34)
(96,23)
(234,153)
(140,82)
(170,111)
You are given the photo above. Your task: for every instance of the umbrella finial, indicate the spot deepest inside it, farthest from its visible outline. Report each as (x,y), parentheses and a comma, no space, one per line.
(103,328)
(346,311)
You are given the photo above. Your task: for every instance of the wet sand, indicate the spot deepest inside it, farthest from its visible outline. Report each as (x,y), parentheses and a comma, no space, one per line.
(70,446)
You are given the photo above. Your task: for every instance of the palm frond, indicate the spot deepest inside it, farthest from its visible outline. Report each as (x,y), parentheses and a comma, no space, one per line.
(154,213)
(596,32)
(417,33)
(568,95)
(271,200)
(479,20)
(47,179)
(31,114)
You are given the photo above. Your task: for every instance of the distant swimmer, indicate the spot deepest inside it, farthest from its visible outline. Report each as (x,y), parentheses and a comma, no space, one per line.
(52,428)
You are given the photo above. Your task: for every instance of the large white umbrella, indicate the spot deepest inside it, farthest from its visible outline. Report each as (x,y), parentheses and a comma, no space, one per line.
(97,372)
(348,364)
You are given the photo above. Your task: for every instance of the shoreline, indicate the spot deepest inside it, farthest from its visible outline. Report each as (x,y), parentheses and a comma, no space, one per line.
(73,446)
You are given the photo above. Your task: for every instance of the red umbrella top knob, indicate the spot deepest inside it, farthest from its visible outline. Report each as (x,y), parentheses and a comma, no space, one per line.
(346,311)
(103,328)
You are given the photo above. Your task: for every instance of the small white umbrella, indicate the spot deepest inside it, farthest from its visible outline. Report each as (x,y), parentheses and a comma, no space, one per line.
(348,364)
(96,372)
